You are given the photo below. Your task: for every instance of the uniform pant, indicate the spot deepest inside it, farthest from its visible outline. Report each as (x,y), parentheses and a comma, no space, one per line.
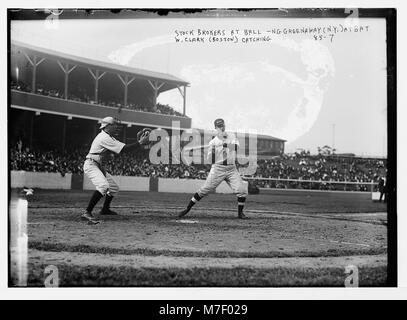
(219,173)
(103,181)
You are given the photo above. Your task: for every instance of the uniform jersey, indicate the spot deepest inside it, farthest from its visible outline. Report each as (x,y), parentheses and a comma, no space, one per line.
(219,154)
(103,143)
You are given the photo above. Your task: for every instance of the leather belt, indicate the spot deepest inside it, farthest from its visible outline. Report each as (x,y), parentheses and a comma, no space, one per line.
(97,162)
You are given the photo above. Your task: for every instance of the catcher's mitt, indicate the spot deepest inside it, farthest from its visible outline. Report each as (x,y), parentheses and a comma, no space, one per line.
(143,136)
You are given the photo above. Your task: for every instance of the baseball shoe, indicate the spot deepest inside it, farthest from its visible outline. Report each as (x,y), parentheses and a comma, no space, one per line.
(87,216)
(241,215)
(183,213)
(93,222)
(108,212)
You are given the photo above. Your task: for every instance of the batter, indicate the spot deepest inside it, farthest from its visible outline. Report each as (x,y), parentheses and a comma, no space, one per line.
(222,151)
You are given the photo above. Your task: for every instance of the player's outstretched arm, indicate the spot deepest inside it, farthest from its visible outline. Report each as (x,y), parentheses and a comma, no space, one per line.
(130,147)
(142,139)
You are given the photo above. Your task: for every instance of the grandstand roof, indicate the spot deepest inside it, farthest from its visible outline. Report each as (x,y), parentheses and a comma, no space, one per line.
(171,81)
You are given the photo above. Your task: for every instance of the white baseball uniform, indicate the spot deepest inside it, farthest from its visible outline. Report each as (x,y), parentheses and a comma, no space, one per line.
(93,166)
(223,167)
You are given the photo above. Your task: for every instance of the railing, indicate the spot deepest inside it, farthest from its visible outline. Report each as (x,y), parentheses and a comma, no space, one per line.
(280,183)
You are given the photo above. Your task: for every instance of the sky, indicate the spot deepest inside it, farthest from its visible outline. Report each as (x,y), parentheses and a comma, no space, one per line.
(329,90)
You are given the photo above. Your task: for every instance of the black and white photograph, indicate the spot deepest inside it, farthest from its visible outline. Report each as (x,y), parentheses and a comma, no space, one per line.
(226,148)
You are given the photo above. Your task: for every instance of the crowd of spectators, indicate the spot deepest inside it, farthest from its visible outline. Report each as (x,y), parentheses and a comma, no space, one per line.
(45,161)
(80,95)
(127,164)
(288,171)
(320,172)
(325,168)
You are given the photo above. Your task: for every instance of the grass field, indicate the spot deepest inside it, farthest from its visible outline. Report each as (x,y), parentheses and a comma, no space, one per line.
(294,238)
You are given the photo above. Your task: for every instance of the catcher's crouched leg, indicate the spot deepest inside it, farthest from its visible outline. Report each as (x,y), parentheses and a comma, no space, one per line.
(93,172)
(110,193)
(113,186)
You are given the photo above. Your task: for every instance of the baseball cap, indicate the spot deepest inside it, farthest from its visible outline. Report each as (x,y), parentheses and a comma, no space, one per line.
(219,123)
(106,121)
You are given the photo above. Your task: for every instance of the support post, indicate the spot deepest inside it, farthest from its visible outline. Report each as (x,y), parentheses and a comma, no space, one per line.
(155,98)
(66,86)
(156,87)
(184,96)
(96,76)
(34,80)
(126,81)
(97,87)
(67,70)
(35,63)
(185,101)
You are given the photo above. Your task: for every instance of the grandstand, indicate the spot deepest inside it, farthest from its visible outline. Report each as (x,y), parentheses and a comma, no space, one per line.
(67,95)
(54,92)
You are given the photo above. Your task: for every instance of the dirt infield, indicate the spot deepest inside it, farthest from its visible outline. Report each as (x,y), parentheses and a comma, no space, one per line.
(292,232)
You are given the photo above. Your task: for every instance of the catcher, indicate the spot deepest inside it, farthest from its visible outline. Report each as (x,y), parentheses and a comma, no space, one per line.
(106,187)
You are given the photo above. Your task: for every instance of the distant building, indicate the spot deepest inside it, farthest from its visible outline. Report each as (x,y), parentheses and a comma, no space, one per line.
(266,146)
(350,155)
